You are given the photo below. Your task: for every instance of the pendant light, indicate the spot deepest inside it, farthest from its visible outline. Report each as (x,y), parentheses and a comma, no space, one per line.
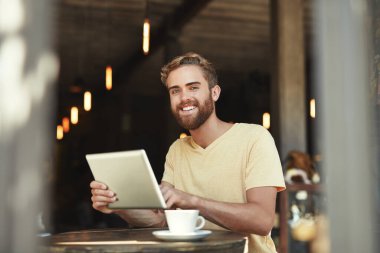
(59,132)
(146,30)
(266,120)
(109,77)
(74,117)
(108,67)
(312,108)
(66,124)
(87,101)
(146,36)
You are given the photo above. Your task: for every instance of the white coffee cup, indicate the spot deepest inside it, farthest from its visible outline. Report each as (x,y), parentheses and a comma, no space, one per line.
(184,221)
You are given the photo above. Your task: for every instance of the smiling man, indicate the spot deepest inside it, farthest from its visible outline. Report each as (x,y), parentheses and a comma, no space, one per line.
(230,172)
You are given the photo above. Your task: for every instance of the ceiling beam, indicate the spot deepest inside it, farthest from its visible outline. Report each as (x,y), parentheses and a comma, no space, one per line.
(172,22)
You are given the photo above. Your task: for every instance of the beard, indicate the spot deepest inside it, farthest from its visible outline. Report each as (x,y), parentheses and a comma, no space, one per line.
(193,122)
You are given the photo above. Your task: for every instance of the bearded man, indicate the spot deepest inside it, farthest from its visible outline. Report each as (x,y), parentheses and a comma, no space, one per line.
(231,173)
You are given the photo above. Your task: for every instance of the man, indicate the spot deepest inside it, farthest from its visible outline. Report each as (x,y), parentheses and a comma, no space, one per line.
(230,172)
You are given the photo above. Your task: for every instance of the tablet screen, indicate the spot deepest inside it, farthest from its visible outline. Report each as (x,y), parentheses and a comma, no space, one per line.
(130,176)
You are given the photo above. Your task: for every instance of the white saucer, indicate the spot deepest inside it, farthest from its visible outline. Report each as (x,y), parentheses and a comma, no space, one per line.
(168,236)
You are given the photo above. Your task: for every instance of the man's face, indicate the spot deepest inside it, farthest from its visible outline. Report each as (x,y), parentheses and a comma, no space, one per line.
(190,98)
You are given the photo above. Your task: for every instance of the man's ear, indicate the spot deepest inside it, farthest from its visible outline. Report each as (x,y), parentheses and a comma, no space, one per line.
(215,92)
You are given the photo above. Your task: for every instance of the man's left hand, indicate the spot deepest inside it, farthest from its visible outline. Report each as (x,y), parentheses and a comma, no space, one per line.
(177,199)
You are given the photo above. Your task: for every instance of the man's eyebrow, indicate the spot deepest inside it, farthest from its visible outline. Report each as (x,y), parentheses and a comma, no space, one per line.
(188,84)
(173,87)
(192,83)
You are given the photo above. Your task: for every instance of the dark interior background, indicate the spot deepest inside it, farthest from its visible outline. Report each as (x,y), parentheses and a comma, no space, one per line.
(89,35)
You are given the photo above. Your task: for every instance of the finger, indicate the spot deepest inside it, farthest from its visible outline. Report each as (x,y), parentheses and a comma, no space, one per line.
(171,202)
(163,191)
(103,199)
(99,204)
(163,188)
(166,194)
(97,185)
(102,207)
(105,193)
(167,190)
(172,198)
(107,211)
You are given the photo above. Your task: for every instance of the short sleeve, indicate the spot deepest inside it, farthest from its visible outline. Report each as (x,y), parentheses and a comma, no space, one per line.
(264,165)
(168,175)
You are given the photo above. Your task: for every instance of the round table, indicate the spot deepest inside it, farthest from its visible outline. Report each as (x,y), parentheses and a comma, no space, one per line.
(138,240)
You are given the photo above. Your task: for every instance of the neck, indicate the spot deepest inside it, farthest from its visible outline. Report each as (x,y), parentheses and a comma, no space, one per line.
(209,131)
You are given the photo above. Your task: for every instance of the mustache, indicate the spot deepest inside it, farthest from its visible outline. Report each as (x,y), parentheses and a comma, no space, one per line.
(188,103)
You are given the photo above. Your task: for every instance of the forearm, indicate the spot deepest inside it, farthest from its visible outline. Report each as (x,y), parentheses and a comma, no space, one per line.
(254,217)
(244,218)
(143,217)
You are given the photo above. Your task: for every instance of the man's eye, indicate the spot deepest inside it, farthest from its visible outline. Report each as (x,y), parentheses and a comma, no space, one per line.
(174,91)
(194,88)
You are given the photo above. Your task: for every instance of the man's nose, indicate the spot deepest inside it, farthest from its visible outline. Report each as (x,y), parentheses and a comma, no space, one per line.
(184,95)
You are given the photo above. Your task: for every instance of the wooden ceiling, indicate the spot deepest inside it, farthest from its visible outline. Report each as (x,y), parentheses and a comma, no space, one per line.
(234,35)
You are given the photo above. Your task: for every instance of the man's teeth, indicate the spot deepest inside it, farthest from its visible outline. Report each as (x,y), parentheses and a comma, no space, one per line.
(188,108)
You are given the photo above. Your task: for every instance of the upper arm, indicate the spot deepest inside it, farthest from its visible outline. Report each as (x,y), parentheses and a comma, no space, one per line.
(263,164)
(264,198)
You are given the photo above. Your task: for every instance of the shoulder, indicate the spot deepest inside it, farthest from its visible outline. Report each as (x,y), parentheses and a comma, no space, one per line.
(253,135)
(252,130)
(180,143)
(186,141)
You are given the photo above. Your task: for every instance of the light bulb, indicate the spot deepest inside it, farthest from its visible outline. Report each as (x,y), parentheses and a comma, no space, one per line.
(146,36)
(59,132)
(66,124)
(109,78)
(74,118)
(87,101)
(312,108)
(266,120)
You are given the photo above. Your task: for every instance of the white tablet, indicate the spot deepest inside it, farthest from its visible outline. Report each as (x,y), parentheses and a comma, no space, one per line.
(130,176)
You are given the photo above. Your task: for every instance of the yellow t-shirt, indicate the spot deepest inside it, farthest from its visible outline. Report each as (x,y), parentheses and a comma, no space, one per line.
(242,158)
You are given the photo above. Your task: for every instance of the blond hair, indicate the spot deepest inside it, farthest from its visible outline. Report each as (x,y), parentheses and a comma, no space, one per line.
(191,58)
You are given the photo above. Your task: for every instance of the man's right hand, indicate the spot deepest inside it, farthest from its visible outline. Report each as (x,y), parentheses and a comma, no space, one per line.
(101,197)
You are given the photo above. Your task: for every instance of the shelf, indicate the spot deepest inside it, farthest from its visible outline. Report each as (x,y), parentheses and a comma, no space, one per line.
(284,208)
(304,187)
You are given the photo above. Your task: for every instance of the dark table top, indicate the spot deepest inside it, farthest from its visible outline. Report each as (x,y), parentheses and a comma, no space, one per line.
(139,240)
